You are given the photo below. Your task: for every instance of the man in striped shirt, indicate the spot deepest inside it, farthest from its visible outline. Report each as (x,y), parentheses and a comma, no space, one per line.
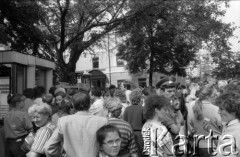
(128,145)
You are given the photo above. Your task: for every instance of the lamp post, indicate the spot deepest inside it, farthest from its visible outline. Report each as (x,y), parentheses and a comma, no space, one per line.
(109,62)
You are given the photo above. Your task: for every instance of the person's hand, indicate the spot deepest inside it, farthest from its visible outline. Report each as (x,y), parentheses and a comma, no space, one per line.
(166,119)
(209,125)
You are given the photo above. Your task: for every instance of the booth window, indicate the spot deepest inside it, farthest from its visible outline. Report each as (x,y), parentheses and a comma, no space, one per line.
(95,62)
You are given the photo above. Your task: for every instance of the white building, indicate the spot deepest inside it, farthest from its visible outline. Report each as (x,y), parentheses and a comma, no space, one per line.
(107,68)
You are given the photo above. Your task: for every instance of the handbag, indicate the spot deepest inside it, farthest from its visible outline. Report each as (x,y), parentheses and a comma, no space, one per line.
(28,141)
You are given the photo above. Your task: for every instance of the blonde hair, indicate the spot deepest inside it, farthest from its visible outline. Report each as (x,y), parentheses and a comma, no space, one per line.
(42,108)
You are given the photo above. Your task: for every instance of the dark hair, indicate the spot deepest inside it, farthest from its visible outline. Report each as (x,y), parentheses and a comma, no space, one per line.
(116,113)
(60,93)
(38,91)
(153,102)
(128,86)
(96,91)
(52,90)
(81,101)
(148,90)
(230,102)
(102,133)
(112,87)
(71,91)
(28,93)
(16,98)
(65,107)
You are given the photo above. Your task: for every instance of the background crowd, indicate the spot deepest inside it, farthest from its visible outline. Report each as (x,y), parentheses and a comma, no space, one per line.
(125,122)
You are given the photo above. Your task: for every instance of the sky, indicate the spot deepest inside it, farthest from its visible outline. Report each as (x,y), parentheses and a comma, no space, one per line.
(233,15)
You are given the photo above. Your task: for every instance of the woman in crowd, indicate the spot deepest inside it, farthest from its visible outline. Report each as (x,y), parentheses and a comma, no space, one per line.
(109,141)
(17,125)
(59,97)
(229,110)
(201,112)
(122,96)
(128,144)
(41,116)
(64,110)
(29,94)
(134,116)
(156,137)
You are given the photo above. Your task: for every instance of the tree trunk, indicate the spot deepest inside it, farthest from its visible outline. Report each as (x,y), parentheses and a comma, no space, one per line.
(67,71)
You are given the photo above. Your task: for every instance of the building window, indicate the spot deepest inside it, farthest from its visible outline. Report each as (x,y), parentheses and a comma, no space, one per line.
(95,62)
(119,82)
(120,62)
(142,82)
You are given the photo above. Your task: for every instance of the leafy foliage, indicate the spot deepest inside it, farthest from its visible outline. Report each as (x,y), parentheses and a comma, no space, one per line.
(59,27)
(19,26)
(170,33)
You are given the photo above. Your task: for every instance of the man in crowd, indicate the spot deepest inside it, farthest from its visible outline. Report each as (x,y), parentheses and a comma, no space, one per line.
(174,119)
(77,132)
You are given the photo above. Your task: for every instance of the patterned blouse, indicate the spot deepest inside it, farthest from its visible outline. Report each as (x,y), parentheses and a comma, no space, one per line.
(157,140)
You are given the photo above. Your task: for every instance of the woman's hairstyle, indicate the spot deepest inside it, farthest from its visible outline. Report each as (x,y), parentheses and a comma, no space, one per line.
(81,101)
(121,95)
(42,108)
(111,90)
(52,90)
(136,96)
(103,131)
(38,91)
(60,93)
(28,93)
(47,98)
(112,103)
(230,102)
(204,92)
(153,102)
(59,89)
(65,107)
(149,90)
(16,98)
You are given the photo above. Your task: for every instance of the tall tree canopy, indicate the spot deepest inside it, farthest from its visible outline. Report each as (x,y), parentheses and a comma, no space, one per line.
(170,33)
(61,26)
(19,26)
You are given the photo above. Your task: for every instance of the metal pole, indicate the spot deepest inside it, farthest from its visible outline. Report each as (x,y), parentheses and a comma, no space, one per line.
(109,62)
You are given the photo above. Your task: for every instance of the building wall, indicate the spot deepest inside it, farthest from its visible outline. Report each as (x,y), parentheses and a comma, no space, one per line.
(118,73)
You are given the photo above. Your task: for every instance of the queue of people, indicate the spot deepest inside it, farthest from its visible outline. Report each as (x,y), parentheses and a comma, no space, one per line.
(121,122)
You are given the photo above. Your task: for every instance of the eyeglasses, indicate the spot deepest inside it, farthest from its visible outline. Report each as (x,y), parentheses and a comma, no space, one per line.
(111,142)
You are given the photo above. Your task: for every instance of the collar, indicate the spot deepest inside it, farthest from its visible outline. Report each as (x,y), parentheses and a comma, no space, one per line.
(232,122)
(83,113)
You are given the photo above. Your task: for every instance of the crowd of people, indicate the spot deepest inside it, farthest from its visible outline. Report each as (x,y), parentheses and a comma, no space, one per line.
(169,119)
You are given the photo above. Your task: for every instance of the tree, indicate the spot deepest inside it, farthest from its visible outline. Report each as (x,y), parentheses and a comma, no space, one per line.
(228,64)
(79,25)
(62,26)
(170,33)
(19,20)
